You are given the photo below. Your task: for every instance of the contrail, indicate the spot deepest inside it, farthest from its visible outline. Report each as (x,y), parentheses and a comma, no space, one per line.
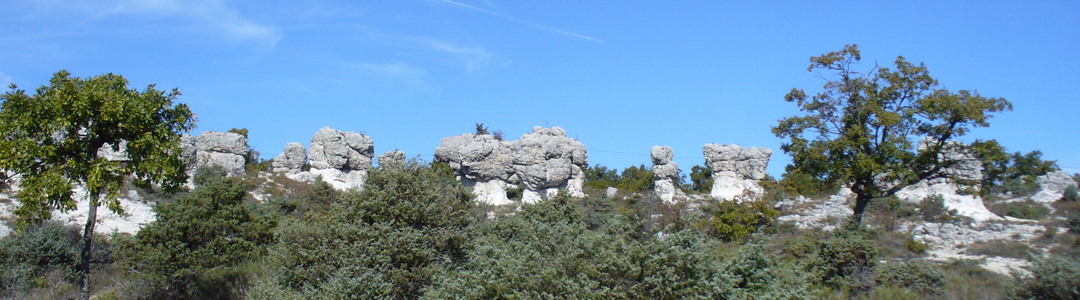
(534,25)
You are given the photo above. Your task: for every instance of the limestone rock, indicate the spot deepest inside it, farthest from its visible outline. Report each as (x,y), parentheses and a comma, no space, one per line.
(736,170)
(968,168)
(611,192)
(222,142)
(1052,186)
(225,150)
(342,158)
(334,149)
(294,158)
(542,162)
(392,159)
(665,172)
(117,153)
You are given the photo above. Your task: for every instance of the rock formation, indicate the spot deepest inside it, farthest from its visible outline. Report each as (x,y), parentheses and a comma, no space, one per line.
(1052,186)
(290,161)
(736,170)
(968,169)
(542,162)
(342,158)
(392,159)
(665,172)
(212,148)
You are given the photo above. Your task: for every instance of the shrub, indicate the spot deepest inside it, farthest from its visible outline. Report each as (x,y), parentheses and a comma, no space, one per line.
(1053,277)
(26,257)
(197,241)
(917,276)
(730,221)
(389,240)
(1011,249)
(932,209)
(1026,209)
(846,261)
(1073,222)
(914,246)
(1070,194)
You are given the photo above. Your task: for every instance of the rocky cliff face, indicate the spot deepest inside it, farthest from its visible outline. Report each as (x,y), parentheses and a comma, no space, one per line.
(541,162)
(736,170)
(665,173)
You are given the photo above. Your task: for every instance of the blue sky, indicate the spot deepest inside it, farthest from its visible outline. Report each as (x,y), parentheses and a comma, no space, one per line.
(620,76)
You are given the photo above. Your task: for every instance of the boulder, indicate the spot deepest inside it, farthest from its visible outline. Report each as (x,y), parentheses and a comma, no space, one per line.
(291,160)
(392,159)
(1052,186)
(542,162)
(665,173)
(736,170)
(966,171)
(225,150)
(335,149)
(342,158)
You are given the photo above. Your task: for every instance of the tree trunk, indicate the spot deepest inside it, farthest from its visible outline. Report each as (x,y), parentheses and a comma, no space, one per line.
(861,201)
(88,243)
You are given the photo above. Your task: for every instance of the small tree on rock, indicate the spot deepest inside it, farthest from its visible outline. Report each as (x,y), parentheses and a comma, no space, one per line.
(52,139)
(862,129)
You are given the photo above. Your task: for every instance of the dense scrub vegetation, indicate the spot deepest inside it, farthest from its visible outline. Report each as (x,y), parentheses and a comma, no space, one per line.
(415,232)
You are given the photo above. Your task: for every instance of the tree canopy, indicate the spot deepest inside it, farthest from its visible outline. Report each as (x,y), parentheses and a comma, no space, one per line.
(863,129)
(52,140)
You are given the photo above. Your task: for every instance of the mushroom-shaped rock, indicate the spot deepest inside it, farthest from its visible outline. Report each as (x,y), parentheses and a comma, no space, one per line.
(736,170)
(665,172)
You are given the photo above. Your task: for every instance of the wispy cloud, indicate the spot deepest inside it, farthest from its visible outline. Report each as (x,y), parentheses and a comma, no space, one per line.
(399,70)
(531,24)
(473,57)
(213,13)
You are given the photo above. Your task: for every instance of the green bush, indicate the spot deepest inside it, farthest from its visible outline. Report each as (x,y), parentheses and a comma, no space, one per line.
(194,247)
(1073,222)
(918,276)
(390,240)
(932,209)
(1070,194)
(1026,209)
(731,221)
(846,261)
(25,257)
(1053,277)
(914,246)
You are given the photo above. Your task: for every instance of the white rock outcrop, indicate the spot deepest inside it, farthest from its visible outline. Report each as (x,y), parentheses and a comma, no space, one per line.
(225,150)
(665,173)
(541,162)
(968,168)
(1052,186)
(392,159)
(342,158)
(736,170)
(291,160)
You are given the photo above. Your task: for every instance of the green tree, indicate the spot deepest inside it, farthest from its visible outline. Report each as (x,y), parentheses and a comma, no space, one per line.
(51,139)
(862,129)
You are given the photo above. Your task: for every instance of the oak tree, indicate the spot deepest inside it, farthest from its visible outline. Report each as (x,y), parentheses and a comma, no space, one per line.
(52,139)
(863,130)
